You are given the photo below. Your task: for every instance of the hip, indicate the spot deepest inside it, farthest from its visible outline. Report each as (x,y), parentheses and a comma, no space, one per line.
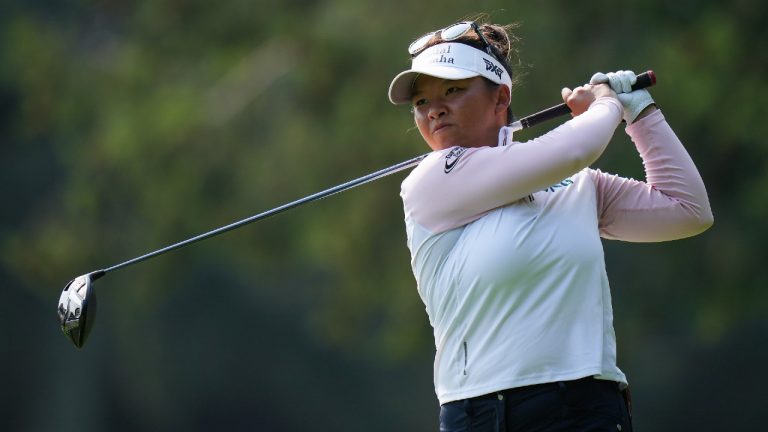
(583,404)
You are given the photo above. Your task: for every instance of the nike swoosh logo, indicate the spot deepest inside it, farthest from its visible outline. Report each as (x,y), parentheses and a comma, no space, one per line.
(452,158)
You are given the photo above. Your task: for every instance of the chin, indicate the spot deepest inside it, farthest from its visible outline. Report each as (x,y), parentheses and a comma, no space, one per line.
(435,145)
(440,144)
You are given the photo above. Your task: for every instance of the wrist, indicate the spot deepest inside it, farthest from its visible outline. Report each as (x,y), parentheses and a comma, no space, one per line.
(646,111)
(634,104)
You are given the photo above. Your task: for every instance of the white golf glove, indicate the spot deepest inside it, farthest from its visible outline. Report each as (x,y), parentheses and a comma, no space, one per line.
(634,102)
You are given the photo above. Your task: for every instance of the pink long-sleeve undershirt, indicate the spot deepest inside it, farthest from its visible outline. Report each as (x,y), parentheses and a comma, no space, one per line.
(671,204)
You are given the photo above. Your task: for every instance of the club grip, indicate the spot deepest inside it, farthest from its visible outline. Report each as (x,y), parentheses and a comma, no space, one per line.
(645,79)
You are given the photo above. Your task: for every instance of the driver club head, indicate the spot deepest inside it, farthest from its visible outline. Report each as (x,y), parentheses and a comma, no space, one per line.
(77,309)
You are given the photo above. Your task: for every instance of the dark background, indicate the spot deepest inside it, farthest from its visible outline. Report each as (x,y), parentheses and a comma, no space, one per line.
(126,126)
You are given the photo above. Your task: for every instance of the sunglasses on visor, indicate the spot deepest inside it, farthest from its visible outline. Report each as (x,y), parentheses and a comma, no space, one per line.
(452,32)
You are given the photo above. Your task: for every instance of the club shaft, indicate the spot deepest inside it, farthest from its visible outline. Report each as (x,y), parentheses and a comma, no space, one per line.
(643,80)
(317,196)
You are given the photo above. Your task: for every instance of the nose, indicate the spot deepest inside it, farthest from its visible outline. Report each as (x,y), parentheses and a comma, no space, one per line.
(436,110)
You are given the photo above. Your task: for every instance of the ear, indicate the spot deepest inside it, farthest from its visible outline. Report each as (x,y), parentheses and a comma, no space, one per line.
(503,98)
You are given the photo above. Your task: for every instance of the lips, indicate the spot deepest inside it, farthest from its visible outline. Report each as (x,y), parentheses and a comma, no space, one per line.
(440,127)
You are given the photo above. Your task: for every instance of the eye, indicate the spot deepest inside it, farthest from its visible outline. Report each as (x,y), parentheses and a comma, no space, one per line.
(451,90)
(419,102)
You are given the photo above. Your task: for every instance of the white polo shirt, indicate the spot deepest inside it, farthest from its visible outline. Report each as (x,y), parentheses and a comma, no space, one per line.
(506,250)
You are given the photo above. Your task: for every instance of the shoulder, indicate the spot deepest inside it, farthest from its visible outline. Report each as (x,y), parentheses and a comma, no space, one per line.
(423,167)
(439,164)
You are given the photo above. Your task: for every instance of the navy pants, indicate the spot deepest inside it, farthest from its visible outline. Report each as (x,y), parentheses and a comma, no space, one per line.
(582,405)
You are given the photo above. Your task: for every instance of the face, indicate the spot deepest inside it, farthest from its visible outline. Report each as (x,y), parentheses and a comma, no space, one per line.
(466,113)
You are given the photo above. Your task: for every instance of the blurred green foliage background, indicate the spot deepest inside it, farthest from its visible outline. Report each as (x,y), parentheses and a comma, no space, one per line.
(127,126)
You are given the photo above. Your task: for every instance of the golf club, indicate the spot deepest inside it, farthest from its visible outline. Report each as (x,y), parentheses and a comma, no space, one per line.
(77,303)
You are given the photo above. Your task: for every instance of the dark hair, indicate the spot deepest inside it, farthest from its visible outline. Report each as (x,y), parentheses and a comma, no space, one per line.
(503,44)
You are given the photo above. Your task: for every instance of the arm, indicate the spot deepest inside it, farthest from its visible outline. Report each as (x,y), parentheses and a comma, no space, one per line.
(489,177)
(671,204)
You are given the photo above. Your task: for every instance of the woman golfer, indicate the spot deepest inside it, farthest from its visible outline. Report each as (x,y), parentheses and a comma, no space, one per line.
(505,236)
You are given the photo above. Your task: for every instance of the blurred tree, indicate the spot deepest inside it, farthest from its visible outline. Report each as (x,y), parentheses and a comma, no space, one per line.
(128,126)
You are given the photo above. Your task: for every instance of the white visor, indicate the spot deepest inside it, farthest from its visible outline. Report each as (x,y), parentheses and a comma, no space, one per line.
(452,61)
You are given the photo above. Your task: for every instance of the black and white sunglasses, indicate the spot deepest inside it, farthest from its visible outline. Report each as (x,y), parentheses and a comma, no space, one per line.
(452,32)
